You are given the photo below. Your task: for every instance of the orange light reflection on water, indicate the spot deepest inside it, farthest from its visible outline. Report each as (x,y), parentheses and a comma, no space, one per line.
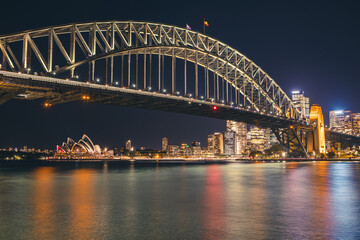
(81,197)
(44,224)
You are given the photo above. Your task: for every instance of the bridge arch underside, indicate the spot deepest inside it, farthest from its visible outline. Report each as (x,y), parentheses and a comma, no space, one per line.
(148,55)
(183,71)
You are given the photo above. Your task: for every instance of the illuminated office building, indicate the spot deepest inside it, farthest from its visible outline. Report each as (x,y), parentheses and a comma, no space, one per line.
(229,143)
(301,102)
(196,149)
(240,130)
(173,150)
(348,127)
(355,118)
(164,144)
(258,138)
(337,120)
(216,143)
(128,145)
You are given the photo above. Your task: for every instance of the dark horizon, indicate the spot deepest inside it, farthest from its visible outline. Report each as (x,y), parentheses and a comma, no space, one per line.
(309,46)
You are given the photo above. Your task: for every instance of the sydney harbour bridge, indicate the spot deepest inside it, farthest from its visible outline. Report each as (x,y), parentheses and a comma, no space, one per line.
(154,66)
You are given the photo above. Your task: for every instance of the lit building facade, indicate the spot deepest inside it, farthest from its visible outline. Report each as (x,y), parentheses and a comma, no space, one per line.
(185,150)
(348,126)
(345,122)
(258,138)
(355,118)
(164,144)
(240,130)
(128,145)
(301,102)
(229,143)
(196,149)
(216,143)
(173,150)
(337,120)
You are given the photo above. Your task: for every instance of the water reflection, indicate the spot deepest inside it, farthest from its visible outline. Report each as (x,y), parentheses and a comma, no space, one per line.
(345,189)
(43,199)
(214,204)
(81,199)
(234,201)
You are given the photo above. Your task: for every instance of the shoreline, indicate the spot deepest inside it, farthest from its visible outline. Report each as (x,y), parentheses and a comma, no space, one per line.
(170,161)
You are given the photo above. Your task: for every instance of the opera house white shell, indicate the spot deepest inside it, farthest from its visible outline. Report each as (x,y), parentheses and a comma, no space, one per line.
(84,145)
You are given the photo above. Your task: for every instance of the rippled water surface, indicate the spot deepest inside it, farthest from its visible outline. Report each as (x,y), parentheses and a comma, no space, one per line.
(213,201)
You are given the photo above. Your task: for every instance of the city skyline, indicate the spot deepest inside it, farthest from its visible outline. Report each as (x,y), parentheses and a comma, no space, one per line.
(292,65)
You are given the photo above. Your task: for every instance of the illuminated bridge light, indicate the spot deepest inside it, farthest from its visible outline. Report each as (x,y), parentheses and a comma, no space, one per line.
(85,97)
(46,104)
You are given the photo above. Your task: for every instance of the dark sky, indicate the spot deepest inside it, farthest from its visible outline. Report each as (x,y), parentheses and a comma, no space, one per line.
(309,45)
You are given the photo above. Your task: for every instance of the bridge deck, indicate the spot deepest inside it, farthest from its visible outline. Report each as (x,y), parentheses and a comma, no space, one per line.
(57,89)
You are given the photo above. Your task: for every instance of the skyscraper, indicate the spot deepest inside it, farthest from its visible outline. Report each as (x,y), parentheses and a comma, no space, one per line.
(196,149)
(229,142)
(164,144)
(258,138)
(348,128)
(240,130)
(355,117)
(128,145)
(301,102)
(337,120)
(216,143)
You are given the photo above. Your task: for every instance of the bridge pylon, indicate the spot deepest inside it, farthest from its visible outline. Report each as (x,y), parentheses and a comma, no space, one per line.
(316,137)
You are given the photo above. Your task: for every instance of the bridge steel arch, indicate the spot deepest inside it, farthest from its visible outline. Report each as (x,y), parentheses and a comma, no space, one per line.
(86,43)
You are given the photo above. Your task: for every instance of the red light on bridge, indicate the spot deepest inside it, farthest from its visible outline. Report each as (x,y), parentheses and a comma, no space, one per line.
(214,108)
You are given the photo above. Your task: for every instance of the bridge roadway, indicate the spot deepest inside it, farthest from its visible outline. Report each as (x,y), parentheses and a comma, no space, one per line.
(59,91)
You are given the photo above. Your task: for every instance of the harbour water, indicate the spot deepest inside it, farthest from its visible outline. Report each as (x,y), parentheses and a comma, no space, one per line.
(180,201)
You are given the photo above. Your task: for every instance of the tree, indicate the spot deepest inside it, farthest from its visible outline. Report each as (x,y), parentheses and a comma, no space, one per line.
(331,155)
(273,150)
(255,154)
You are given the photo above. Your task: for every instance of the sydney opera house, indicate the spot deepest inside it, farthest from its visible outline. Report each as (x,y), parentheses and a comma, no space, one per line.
(84,148)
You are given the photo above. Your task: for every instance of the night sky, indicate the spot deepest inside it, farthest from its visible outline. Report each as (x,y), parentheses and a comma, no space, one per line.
(304,45)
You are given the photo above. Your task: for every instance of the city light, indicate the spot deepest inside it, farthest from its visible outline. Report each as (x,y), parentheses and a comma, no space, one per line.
(214,108)
(85,97)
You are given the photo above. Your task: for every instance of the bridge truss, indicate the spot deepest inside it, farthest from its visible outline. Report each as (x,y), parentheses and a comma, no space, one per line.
(151,57)
(234,80)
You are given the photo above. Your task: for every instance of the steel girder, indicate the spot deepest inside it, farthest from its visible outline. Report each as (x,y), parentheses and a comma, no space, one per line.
(292,139)
(96,40)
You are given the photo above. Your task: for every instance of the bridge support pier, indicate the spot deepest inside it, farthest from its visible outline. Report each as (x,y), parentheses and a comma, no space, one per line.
(316,137)
(293,140)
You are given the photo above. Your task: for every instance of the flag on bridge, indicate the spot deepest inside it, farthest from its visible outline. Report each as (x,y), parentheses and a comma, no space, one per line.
(205,24)
(188,27)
